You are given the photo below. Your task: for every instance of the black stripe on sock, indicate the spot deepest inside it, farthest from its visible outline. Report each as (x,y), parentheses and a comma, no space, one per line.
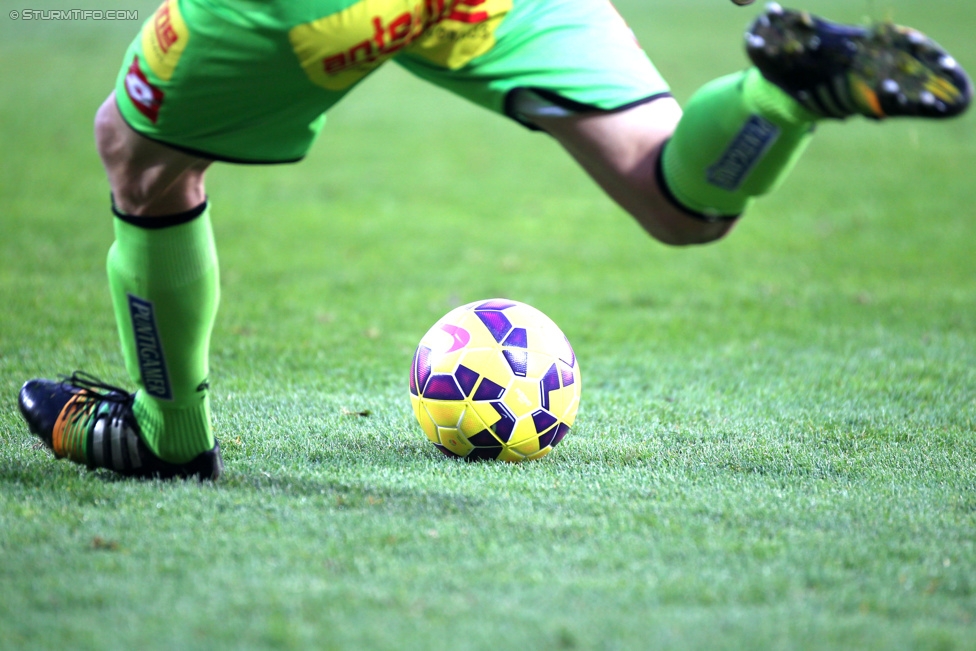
(662,183)
(163,221)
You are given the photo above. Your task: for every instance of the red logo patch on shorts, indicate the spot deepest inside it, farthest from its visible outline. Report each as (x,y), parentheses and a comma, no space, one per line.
(145,97)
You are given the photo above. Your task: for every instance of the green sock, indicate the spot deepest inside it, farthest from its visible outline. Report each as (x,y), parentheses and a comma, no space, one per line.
(738,138)
(164,282)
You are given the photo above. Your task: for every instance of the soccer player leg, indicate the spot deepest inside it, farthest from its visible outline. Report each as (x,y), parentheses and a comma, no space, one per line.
(163,277)
(164,282)
(576,71)
(688,177)
(738,138)
(620,150)
(741,134)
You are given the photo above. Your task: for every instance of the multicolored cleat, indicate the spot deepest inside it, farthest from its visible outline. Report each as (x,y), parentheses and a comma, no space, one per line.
(89,422)
(838,70)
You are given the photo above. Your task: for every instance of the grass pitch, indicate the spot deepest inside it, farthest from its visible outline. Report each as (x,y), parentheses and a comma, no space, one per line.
(775,448)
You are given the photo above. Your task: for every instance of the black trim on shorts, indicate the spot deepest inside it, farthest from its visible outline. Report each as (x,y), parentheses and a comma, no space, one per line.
(206,154)
(217,157)
(164,221)
(662,183)
(569,104)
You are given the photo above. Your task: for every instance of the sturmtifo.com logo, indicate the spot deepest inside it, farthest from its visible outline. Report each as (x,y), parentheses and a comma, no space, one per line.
(74,14)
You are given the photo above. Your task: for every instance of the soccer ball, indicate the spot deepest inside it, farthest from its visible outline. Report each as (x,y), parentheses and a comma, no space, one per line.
(495,379)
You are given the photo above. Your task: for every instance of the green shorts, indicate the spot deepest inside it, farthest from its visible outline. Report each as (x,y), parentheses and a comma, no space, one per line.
(249,81)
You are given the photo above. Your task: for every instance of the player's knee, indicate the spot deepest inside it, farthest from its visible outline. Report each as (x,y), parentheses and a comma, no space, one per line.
(115,141)
(107,134)
(115,147)
(110,146)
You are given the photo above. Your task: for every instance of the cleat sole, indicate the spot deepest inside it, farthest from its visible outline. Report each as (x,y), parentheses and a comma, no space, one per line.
(839,70)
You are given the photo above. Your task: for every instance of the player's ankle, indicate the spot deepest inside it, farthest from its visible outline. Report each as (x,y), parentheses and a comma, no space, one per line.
(174,434)
(773,103)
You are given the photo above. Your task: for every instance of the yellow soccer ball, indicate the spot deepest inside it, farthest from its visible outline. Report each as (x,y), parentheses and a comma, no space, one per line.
(495,379)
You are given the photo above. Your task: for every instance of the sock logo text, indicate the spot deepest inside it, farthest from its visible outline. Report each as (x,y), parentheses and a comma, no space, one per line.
(152,364)
(747,149)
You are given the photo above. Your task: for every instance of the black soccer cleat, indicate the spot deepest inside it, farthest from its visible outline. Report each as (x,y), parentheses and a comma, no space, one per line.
(90,422)
(836,71)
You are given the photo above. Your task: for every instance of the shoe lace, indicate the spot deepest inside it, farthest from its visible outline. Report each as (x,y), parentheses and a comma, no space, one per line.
(95,392)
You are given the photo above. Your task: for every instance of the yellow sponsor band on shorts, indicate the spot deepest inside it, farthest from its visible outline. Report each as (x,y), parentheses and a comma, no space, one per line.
(164,37)
(339,50)
(467,32)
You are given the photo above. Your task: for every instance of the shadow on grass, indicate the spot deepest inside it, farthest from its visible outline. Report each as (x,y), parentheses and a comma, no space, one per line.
(351,493)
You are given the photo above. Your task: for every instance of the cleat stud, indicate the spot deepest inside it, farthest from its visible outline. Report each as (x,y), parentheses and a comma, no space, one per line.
(916,38)
(902,99)
(948,63)
(890,86)
(774,8)
(755,41)
(814,43)
(926,98)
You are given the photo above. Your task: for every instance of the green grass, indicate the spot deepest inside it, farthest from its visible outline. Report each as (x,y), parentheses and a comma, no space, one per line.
(775,448)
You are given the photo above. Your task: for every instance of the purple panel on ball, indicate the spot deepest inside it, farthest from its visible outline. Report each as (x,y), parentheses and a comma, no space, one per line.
(488,390)
(446,451)
(496,322)
(484,454)
(503,428)
(413,374)
(497,304)
(546,439)
(484,439)
(567,354)
(568,376)
(518,338)
(423,367)
(518,361)
(549,382)
(561,431)
(543,420)
(466,378)
(443,387)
